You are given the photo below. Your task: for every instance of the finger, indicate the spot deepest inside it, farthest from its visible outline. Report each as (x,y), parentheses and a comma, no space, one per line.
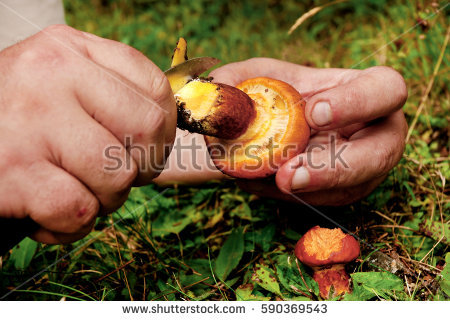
(335,97)
(114,56)
(132,65)
(337,196)
(93,155)
(327,197)
(369,153)
(375,93)
(144,119)
(56,200)
(133,119)
(306,80)
(43,235)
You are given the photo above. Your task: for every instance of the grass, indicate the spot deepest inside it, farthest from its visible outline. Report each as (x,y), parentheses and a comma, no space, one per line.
(216,242)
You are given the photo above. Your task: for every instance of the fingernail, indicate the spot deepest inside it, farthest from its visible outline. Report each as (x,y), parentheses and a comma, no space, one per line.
(321,113)
(300,178)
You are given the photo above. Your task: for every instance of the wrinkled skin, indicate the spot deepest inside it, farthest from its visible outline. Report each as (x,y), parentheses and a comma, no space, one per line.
(65,96)
(366,116)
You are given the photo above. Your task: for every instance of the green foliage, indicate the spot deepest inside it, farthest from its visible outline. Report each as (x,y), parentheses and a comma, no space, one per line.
(445,276)
(265,278)
(23,253)
(295,280)
(244,293)
(367,285)
(230,254)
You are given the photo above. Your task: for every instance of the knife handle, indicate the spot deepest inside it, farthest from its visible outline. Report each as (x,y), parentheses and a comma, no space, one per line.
(12,231)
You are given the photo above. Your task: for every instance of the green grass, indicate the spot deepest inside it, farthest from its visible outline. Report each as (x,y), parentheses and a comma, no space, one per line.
(216,242)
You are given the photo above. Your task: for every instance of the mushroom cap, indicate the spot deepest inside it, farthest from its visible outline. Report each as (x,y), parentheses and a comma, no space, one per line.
(322,246)
(212,109)
(278,133)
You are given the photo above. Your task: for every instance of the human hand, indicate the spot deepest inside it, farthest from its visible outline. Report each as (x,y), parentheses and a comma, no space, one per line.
(83,119)
(358,130)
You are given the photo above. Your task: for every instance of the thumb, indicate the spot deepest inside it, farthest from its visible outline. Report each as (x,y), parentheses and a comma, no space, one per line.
(369,154)
(364,96)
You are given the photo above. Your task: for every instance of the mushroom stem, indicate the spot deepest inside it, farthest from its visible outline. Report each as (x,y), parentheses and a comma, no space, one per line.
(332,281)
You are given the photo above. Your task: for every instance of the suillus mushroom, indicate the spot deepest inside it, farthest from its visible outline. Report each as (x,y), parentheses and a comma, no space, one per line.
(277,133)
(327,251)
(250,129)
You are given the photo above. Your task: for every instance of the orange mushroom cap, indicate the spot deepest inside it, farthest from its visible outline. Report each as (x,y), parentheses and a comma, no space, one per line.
(278,133)
(323,247)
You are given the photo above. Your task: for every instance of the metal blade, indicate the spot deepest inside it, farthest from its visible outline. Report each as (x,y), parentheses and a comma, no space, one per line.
(180,74)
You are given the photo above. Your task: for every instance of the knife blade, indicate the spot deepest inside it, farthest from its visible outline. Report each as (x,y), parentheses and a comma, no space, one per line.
(182,73)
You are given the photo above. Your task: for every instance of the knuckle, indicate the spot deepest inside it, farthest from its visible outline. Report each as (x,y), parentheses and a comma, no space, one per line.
(160,89)
(89,211)
(50,49)
(131,52)
(155,122)
(353,97)
(386,159)
(60,30)
(394,80)
(334,177)
(254,60)
(124,179)
(160,137)
(72,211)
(40,58)
(402,90)
(9,159)
(258,61)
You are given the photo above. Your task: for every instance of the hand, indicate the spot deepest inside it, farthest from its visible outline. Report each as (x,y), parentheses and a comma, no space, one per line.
(356,119)
(82,119)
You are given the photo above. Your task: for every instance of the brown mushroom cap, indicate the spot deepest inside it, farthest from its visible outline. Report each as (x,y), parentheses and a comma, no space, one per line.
(214,109)
(322,246)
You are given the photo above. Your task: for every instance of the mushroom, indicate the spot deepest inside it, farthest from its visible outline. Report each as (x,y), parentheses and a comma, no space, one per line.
(327,251)
(251,129)
(277,133)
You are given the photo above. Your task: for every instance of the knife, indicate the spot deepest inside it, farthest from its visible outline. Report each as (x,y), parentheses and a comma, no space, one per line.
(182,73)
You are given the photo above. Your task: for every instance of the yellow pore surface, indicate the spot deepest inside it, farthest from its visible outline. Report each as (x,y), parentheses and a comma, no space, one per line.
(322,242)
(200,98)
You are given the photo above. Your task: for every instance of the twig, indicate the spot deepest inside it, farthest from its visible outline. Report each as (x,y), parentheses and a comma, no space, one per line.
(115,270)
(407,286)
(120,258)
(432,248)
(311,13)
(385,217)
(393,226)
(303,279)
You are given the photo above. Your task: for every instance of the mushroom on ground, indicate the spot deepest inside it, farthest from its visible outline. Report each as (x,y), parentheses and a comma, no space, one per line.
(327,251)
